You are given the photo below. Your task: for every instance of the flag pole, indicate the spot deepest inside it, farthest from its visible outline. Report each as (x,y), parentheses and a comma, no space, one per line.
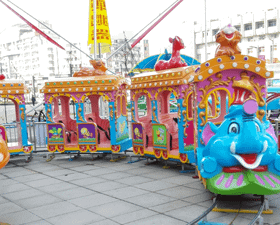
(94,19)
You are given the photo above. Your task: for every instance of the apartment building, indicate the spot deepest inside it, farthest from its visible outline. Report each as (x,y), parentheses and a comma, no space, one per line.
(260,36)
(24,54)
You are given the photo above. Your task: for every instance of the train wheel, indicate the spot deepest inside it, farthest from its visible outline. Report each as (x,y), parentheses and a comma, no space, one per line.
(116,148)
(83,148)
(157,153)
(184,158)
(165,155)
(51,148)
(135,150)
(92,148)
(142,153)
(60,148)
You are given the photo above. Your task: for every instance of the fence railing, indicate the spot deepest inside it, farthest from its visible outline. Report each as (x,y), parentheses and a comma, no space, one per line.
(37,134)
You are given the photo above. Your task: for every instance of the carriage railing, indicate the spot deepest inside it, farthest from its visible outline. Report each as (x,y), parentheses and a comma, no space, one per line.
(37,134)
(11,132)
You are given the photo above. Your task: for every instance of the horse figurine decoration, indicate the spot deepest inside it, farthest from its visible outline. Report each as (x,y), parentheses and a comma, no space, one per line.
(175,60)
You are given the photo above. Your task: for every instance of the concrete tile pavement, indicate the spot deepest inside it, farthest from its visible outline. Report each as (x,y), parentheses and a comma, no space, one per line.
(101,192)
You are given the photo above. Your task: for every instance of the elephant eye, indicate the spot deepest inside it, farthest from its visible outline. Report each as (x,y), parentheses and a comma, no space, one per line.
(233,128)
(258,127)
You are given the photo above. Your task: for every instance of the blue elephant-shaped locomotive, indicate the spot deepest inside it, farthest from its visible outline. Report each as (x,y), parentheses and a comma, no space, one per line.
(241,155)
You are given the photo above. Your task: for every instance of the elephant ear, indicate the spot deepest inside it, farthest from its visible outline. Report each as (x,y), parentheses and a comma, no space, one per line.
(209,131)
(269,129)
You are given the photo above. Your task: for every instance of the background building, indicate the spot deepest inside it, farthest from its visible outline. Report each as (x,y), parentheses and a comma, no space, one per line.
(260,37)
(123,61)
(24,54)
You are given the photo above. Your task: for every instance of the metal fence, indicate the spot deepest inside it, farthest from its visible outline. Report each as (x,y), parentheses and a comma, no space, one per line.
(36,131)
(37,134)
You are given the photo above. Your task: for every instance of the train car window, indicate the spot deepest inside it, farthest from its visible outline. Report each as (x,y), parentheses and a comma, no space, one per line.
(71,106)
(59,107)
(87,106)
(173,103)
(142,106)
(104,106)
(217,106)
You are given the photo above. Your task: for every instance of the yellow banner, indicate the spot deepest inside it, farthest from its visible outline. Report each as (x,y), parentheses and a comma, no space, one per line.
(102,27)
(104,48)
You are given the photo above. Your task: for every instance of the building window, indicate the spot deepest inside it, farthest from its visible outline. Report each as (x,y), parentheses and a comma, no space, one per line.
(250,39)
(237,27)
(248,26)
(215,31)
(259,25)
(271,23)
(262,37)
(261,49)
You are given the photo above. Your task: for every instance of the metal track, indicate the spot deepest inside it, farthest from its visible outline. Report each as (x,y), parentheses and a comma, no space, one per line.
(254,220)
(206,212)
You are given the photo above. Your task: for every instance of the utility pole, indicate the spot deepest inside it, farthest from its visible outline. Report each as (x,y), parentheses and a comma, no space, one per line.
(33,82)
(71,70)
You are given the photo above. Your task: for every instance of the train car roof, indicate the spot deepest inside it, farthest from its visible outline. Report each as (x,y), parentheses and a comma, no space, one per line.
(12,87)
(237,61)
(175,76)
(84,84)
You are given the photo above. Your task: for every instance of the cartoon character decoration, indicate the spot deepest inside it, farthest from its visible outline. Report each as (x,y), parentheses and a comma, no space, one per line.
(137,133)
(160,135)
(122,127)
(175,60)
(228,38)
(240,156)
(56,133)
(2,77)
(4,154)
(98,69)
(86,133)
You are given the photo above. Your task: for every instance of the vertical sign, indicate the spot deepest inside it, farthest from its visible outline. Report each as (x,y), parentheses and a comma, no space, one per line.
(102,26)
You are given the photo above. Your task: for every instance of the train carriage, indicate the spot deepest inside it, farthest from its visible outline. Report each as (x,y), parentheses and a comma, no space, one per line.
(85,129)
(236,151)
(161,132)
(14,91)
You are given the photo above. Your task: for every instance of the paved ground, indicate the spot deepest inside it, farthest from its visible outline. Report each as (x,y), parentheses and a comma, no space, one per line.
(101,192)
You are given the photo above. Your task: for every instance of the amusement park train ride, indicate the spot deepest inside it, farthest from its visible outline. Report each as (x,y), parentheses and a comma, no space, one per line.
(88,132)
(220,125)
(14,91)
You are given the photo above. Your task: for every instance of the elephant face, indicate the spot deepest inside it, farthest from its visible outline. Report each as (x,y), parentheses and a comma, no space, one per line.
(241,140)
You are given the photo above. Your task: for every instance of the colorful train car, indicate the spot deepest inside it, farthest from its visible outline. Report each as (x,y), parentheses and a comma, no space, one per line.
(165,128)
(159,132)
(85,129)
(237,151)
(14,91)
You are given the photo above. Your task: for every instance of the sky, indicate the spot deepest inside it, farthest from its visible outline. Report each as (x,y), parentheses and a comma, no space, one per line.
(69,18)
